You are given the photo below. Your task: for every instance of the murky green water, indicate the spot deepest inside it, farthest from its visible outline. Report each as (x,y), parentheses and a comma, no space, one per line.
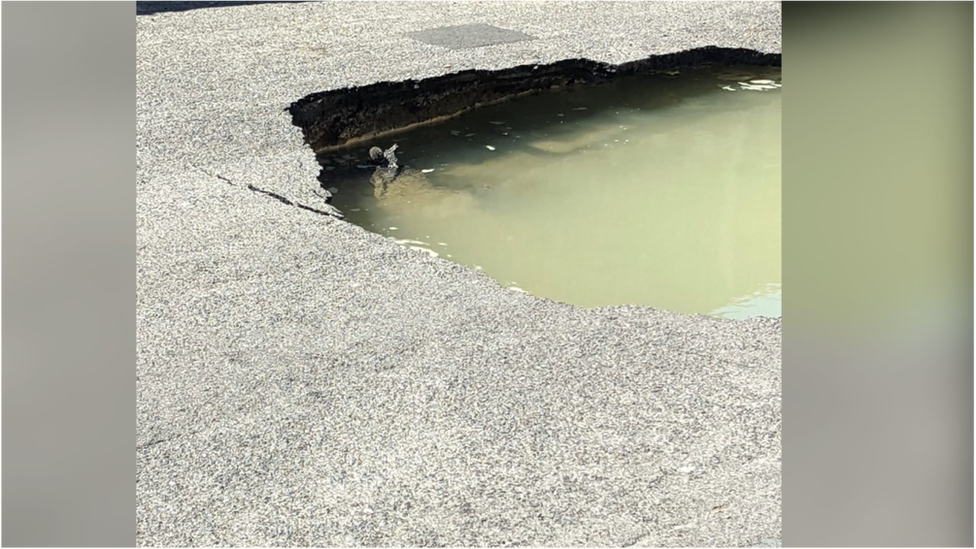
(659,190)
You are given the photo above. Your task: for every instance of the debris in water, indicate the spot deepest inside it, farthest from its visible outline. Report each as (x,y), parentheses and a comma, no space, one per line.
(393,228)
(495,122)
(749,87)
(489,147)
(761,81)
(580,109)
(405,241)
(427,170)
(379,157)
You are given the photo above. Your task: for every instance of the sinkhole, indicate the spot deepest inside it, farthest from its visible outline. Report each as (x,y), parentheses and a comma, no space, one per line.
(654,187)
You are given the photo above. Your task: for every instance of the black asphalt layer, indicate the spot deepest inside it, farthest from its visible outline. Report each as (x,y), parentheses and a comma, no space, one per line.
(304,382)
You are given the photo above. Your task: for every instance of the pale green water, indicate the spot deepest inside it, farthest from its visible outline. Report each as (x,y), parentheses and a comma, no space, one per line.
(660,191)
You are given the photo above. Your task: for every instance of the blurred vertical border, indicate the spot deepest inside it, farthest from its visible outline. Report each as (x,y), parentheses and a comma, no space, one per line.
(878,274)
(68,244)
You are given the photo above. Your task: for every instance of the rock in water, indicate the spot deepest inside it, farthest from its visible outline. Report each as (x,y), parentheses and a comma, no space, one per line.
(388,157)
(386,171)
(376,155)
(391,156)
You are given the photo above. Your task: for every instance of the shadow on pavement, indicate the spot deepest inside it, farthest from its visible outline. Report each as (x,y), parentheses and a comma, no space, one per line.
(149,8)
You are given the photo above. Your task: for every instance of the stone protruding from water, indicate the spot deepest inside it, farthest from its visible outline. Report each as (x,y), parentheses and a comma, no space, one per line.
(387,157)
(387,168)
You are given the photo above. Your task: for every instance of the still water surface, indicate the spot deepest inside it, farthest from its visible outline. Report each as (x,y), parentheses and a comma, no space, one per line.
(658,190)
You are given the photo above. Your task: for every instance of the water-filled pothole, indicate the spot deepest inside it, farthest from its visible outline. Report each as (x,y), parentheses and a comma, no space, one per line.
(659,190)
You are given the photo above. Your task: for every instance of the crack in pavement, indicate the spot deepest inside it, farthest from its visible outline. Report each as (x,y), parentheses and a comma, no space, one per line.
(630,542)
(329,211)
(157,441)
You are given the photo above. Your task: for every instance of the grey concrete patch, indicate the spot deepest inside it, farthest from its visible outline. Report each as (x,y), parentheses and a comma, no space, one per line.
(474,35)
